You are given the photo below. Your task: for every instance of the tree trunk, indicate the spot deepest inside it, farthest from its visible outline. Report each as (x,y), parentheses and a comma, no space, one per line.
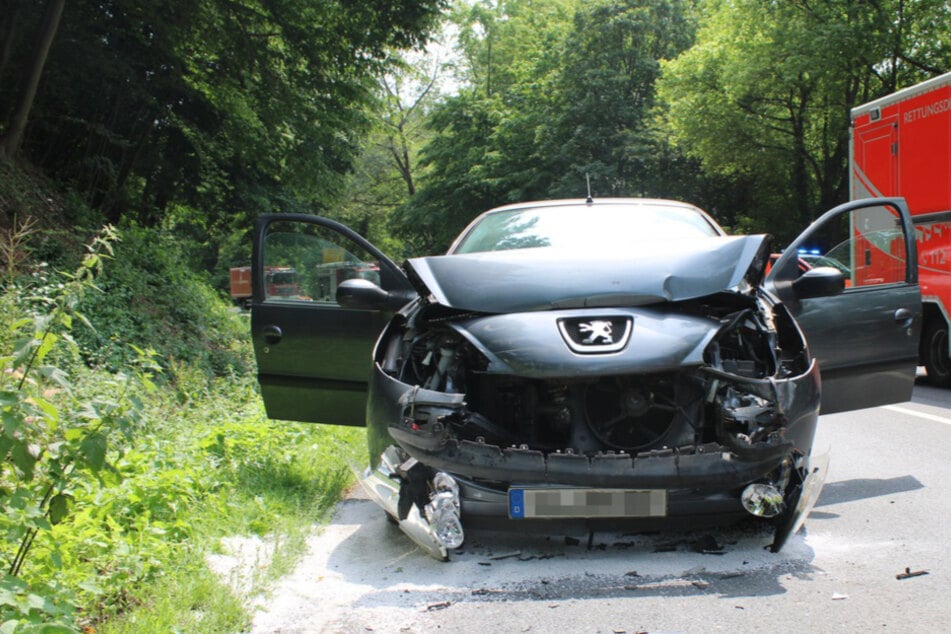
(798,106)
(7,33)
(13,135)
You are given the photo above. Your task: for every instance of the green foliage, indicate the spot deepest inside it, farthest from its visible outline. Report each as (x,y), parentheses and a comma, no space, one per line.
(764,95)
(185,598)
(611,62)
(57,431)
(560,91)
(115,487)
(739,106)
(224,108)
(506,42)
(458,159)
(386,174)
(24,193)
(217,468)
(154,299)
(485,146)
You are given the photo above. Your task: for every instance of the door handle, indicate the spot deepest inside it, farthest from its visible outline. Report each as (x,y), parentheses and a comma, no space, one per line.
(272,334)
(904,317)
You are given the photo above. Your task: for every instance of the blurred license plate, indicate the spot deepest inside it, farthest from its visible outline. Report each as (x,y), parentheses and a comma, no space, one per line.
(555,503)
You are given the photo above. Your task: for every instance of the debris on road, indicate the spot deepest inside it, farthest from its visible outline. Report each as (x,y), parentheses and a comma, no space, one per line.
(909,574)
(483,592)
(708,545)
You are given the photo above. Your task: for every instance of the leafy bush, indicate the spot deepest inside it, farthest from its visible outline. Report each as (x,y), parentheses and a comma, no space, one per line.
(57,430)
(152,298)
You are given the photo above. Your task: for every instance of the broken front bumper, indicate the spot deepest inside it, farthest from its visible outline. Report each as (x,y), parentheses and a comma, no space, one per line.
(489,507)
(702,482)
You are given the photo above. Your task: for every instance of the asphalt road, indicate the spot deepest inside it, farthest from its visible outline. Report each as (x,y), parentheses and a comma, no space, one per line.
(886,508)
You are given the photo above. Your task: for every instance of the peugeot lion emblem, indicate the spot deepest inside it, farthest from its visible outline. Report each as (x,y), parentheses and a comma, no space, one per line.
(596,336)
(597,330)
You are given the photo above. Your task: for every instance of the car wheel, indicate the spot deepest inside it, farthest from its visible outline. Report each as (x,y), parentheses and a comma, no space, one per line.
(936,359)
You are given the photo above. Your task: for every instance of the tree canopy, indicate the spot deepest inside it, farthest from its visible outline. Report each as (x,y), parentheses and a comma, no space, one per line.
(205,111)
(558,91)
(765,92)
(740,106)
(198,116)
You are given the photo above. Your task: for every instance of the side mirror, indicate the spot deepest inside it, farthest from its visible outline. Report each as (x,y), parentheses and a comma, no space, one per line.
(365,295)
(821,281)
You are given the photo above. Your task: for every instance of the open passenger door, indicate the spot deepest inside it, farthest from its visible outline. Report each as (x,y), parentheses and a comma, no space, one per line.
(313,351)
(865,336)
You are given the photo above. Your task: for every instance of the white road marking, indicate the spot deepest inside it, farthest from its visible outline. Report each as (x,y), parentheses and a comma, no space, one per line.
(911,412)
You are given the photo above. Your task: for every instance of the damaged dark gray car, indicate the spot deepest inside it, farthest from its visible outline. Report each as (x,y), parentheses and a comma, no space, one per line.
(588,365)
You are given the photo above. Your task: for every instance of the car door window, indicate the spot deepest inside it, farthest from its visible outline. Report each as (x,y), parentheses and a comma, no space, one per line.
(307,262)
(871,251)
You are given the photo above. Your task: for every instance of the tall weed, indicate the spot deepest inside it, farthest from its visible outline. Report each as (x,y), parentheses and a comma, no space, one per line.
(56,432)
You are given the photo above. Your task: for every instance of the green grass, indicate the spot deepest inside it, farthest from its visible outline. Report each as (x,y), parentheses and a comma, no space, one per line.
(186,598)
(206,466)
(264,479)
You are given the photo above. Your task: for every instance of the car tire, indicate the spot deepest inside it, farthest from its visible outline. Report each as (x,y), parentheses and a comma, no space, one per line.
(935,348)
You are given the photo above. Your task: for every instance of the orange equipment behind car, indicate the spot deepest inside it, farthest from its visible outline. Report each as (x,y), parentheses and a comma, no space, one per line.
(280,281)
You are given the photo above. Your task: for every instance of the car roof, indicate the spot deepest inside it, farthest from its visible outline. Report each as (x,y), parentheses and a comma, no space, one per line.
(534,204)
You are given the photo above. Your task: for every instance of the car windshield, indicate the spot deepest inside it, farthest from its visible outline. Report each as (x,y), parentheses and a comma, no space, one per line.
(584,227)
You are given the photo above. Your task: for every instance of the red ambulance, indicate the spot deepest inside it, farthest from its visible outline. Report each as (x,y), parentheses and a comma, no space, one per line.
(901,146)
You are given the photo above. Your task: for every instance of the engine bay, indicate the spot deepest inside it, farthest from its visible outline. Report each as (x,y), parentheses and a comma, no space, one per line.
(728,394)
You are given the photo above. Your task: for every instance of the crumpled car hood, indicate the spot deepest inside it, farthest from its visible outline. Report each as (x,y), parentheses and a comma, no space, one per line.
(545,278)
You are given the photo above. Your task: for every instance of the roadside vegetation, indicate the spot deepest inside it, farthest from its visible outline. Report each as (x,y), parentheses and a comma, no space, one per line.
(133,439)
(138,141)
